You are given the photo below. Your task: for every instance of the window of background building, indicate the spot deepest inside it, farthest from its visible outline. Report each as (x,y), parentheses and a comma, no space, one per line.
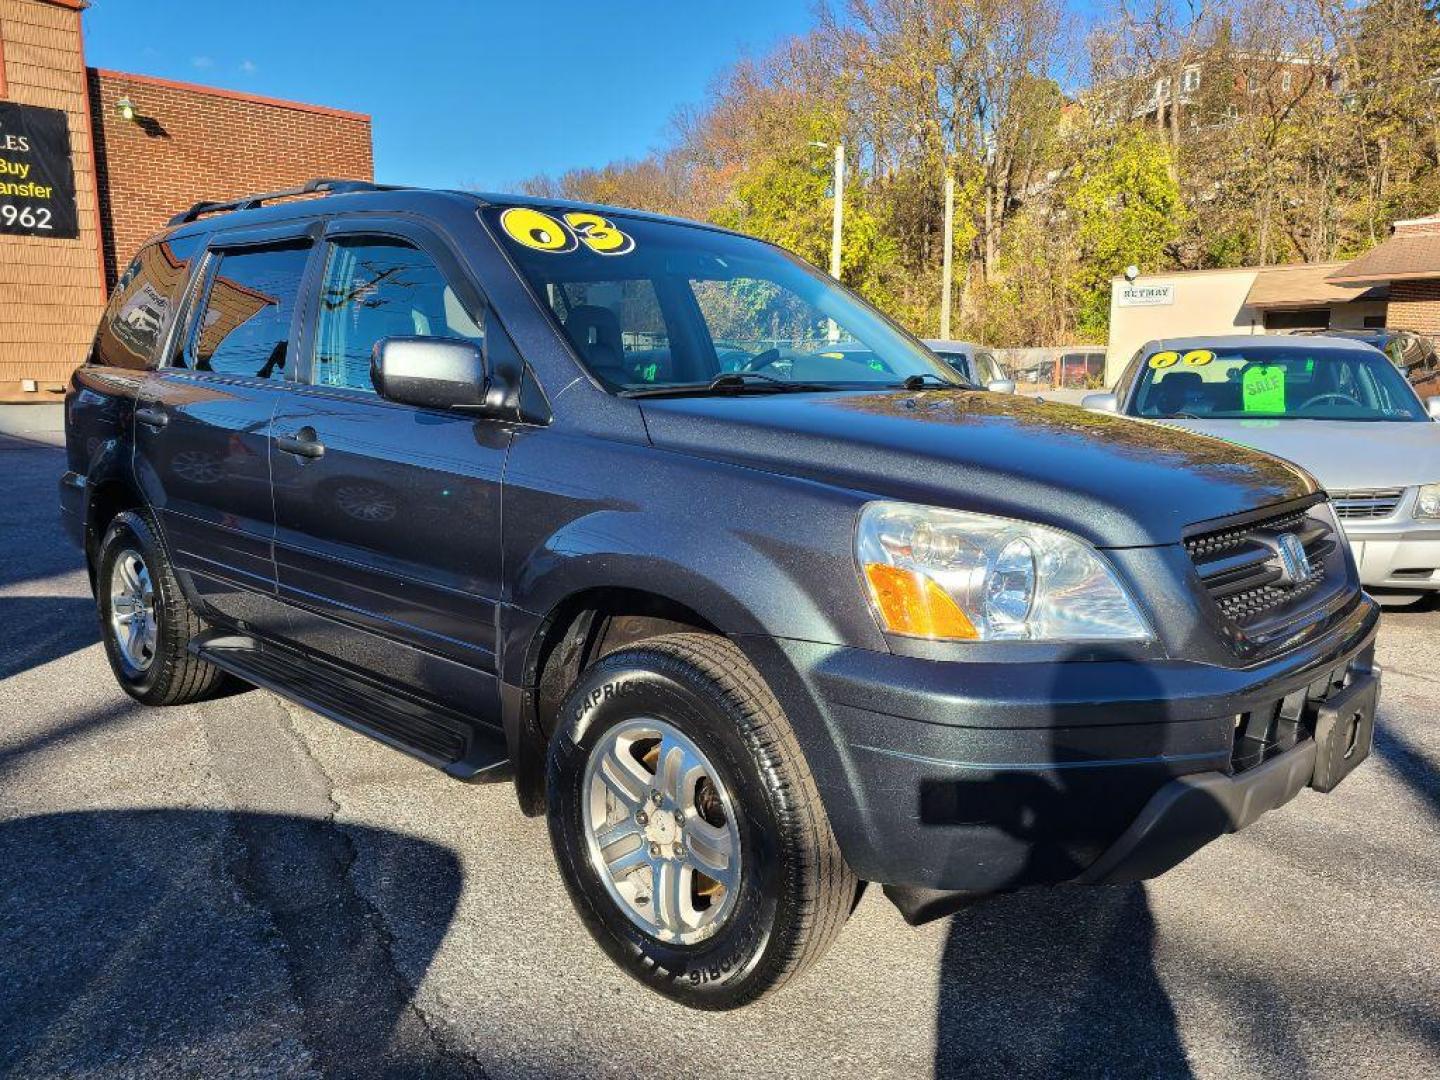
(375,289)
(244,324)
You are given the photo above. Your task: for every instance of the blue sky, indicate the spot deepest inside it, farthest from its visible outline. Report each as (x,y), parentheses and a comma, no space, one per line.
(463,92)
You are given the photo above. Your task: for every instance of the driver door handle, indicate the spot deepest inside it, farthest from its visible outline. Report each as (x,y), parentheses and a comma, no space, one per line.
(303,444)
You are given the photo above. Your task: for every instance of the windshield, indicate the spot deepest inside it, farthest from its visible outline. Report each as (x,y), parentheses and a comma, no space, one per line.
(649,305)
(1299,383)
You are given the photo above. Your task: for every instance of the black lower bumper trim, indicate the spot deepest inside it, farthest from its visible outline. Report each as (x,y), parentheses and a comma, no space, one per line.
(1189,812)
(919,906)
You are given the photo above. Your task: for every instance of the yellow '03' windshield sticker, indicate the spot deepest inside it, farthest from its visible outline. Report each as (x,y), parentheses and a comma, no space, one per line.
(599,234)
(1161,360)
(536,230)
(1197,357)
(543,232)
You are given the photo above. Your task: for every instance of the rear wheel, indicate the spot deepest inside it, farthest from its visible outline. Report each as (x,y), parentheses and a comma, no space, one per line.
(687,826)
(145,621)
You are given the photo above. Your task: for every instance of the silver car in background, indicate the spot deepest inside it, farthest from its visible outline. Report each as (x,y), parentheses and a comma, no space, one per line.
(1335,406)
(974,362)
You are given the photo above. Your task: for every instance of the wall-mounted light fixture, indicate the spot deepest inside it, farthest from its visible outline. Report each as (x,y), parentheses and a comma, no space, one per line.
(126,108)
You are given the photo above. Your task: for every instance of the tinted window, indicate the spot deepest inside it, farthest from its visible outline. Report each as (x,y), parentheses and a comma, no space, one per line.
(142,305)
(374,289)
(244,323)
(1321,384)
(652,304)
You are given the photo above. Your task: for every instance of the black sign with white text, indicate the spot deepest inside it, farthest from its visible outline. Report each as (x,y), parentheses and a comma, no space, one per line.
(37,182)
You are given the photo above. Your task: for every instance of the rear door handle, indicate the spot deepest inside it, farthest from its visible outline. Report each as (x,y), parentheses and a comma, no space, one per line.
(152,417)
(303,444)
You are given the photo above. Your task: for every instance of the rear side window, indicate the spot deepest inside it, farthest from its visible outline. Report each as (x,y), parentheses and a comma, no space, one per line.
(375,289)
(143,304)
(244,323)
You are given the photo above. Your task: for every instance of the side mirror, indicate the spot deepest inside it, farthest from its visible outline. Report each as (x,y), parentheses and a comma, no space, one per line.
(1001,386)
(1100,403)
(432,373)
(1432,406)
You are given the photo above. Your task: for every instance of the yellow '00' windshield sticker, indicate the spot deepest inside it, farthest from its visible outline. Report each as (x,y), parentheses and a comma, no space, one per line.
(1262,389)
(539,230)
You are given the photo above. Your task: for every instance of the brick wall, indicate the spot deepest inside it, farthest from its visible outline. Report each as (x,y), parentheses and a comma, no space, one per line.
(191,143)
(1418,227)
(51,290)
(1414,305)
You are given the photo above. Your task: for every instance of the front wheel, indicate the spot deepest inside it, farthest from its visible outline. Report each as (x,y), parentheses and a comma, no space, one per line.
(687,825)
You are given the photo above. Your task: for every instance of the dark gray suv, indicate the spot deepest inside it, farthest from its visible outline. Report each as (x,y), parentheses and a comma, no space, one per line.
(750,594)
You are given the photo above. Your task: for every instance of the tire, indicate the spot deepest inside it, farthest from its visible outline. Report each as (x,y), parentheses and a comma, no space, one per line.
(792,890)
(167,674)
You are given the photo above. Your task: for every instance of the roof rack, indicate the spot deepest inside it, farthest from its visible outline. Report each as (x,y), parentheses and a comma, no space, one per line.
(319,186)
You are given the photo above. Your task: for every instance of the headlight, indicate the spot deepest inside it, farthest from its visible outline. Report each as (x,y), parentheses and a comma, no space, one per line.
(949,575)
(1427,501)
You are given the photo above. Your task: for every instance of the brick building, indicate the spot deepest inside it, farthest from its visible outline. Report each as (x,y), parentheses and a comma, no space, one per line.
(1409,263)
(83,181)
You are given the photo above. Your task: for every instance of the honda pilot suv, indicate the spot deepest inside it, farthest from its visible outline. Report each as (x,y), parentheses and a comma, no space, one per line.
(744,589)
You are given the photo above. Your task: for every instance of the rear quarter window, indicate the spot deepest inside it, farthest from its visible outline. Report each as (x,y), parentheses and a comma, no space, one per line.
(143,305)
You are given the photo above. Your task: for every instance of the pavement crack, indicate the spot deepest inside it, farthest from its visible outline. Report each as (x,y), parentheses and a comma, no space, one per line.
(447,1060)
(300,870)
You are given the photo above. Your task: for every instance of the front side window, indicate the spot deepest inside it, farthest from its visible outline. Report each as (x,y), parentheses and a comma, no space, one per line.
(142,305)
(654,305)
(1273,384)
(987,369)
(243,328)
(375,289)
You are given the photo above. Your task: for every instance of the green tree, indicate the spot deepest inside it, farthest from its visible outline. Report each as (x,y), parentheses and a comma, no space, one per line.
(1127,210)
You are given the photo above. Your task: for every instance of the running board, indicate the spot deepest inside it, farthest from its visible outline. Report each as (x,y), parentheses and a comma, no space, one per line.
(461,746)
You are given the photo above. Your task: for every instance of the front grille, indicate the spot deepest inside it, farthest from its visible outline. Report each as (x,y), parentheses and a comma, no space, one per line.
(1365,503)
(1250,570)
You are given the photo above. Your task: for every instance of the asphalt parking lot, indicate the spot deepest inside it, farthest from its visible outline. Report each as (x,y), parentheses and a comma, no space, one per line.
(244,889)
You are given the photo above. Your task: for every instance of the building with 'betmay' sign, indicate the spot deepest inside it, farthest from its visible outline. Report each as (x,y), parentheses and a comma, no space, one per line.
(92,162)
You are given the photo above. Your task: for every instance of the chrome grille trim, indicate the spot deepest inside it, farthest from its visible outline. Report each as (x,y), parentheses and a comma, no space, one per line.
(1238,567)
(1360,504)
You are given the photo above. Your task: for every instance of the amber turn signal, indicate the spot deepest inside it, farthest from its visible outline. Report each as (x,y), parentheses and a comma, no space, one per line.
(913,604)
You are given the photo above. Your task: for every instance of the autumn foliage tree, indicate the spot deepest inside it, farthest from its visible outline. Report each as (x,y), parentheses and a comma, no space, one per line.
(1178,134)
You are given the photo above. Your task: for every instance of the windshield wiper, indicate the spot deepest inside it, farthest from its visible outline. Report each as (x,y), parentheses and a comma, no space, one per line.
(917,382)
(732,381)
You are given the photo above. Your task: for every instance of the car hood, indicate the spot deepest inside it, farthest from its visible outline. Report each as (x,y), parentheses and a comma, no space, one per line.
(1117,482)
(1342,455)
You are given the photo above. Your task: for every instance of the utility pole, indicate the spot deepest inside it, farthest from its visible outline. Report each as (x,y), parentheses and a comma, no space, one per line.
(837,223)
(949,246)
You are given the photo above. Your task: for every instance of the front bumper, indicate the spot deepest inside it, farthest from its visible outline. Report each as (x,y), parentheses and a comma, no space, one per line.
(1398,551)
(982,777)
(1397,556)
(72,507)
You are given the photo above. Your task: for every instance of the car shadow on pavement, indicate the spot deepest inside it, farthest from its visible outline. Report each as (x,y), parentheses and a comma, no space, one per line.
(1060,980)
(1056,982)
(205,943)
(41,629)
(1417,772)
